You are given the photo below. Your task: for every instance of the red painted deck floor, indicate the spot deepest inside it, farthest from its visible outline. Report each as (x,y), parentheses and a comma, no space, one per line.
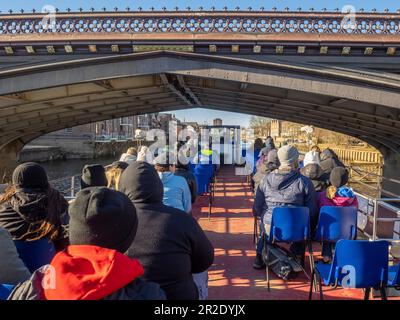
(230,229)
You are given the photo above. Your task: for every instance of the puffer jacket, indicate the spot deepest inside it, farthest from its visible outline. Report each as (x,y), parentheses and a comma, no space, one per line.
(84,272)
(314,172)
(169,243)
(176,191)
(190,179)
(284,188)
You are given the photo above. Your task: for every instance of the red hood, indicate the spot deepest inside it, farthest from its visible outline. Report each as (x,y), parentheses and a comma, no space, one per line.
(343,201)
(90,273)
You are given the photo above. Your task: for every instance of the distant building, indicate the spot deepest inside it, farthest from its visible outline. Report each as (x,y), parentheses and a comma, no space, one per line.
(217,122)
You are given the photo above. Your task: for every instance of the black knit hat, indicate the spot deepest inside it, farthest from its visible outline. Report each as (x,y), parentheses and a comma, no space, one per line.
(93,175)
(30,175)
(102,217)
(339,177)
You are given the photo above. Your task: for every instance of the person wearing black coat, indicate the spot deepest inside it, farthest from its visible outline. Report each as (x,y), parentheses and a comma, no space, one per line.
(329,160)
(30,209)
(169,243)
(183,171)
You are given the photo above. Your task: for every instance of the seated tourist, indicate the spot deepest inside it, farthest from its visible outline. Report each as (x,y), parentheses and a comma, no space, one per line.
(12,268)
(312,170)
(30,209)
(103,226)
(93,175)
(169,243)
(338,194)
(130,156)
(329,160)
(267,163)
(283,187)
(176,189)
(183,171)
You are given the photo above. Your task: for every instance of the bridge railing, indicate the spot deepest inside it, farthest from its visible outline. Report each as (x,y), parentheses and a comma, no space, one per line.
(206,22)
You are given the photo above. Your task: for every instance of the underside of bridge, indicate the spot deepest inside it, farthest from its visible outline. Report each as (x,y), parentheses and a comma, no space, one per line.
(36,100)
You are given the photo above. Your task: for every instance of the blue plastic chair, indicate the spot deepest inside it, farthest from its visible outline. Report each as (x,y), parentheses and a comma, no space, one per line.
(394,277)
(289,224)
(337,223)
(204,174)
(35,254)
(363,263)
(5,291)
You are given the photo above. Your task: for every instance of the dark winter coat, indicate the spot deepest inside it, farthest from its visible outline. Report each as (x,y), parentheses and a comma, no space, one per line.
(27,208)
(314,172)
(190,179)
(281,189)
(169,243)
(328,161)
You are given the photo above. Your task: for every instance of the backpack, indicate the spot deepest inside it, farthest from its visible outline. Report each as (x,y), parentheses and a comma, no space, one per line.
(282,262)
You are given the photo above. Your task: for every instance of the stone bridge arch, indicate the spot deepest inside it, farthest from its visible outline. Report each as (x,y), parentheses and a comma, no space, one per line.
(35,100)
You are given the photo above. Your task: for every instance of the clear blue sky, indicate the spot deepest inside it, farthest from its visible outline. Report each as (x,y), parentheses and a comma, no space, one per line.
(199,115)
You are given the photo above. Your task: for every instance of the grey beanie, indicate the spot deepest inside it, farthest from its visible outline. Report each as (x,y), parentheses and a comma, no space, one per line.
(288,155)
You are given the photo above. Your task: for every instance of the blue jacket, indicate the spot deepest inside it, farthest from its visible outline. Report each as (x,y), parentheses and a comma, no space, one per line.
(285,189)
(176,191)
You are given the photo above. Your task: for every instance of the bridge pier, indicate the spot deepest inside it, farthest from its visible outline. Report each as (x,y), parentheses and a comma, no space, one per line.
(8,159)
(391,170)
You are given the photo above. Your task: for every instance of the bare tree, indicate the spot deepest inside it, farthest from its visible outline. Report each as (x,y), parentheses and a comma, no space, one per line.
(260,125)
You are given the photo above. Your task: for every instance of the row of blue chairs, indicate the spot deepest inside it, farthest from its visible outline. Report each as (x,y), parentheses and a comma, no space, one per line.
(205,178)
(337,225)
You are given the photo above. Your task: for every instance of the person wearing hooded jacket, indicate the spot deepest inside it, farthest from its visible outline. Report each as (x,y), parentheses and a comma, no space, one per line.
(30,209)
(169,244)
(312,170)
(94,266)
(280,188)
(183,171)
(328,161)
(93,175)
(338,194)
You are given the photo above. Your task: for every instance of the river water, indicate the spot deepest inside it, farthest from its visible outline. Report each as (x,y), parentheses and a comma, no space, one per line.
(66,168)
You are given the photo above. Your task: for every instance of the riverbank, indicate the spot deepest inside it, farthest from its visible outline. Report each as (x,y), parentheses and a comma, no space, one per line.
(63,147)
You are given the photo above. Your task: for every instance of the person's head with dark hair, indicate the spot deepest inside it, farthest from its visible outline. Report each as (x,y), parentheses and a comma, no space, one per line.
(93,175)
(315,148)
(338,178)
(258,144)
